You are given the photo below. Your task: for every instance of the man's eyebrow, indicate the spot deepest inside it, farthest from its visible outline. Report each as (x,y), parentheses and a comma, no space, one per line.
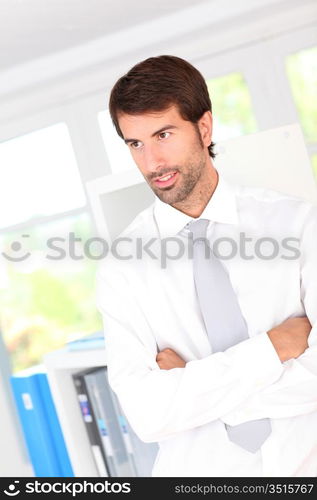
(162,129)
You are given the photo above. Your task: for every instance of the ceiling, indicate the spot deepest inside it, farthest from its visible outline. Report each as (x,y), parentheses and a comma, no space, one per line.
(67,41)
(30,29)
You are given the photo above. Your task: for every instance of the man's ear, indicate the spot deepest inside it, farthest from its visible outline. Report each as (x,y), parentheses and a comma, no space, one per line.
(205,127)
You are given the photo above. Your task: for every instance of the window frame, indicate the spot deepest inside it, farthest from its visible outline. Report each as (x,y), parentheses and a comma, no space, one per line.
(272,91)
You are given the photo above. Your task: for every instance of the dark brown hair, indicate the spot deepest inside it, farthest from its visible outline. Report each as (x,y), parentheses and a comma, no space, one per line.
(157,83)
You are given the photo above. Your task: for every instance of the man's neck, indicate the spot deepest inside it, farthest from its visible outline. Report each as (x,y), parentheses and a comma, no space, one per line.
(196,202)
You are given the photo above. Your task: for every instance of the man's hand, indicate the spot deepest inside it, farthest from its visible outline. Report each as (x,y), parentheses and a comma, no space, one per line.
(290,337)
(168,359)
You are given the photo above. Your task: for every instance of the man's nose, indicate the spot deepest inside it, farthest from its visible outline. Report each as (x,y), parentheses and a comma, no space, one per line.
(153,159)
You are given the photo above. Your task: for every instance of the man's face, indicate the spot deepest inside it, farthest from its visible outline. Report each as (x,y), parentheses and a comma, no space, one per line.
(168,151)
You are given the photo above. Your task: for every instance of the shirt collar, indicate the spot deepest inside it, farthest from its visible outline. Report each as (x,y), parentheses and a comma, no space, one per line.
(221,208)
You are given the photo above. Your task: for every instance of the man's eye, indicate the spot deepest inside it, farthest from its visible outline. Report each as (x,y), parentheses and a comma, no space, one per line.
(136,144)
(164,135)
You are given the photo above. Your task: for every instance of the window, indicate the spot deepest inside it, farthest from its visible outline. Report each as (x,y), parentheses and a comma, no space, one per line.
(39,176)
(302,73)
(46,276)
(47,288)
(118,154)
(231,106)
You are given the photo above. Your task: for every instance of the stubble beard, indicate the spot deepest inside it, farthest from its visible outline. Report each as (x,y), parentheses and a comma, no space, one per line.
(187,182)
(189,176)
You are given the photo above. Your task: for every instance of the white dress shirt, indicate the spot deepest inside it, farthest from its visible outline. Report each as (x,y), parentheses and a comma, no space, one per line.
(147,306)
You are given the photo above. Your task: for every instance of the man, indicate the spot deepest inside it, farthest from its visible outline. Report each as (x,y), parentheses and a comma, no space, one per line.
(176,387)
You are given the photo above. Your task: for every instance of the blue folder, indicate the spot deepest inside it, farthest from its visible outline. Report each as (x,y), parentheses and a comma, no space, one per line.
(40,424)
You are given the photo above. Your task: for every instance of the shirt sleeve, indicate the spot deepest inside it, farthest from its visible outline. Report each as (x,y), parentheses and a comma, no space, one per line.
(295,392)
(160,403)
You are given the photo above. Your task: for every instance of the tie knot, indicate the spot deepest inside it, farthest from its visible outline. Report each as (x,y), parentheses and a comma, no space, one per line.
(198,228)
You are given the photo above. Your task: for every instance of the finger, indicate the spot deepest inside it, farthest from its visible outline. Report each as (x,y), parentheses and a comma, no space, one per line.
(162,366)
(161,355)
(168,351)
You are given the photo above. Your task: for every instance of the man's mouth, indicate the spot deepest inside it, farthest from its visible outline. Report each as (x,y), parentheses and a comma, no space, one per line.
(166,179)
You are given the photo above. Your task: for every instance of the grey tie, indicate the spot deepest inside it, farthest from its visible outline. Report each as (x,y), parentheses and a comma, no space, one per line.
(224,322)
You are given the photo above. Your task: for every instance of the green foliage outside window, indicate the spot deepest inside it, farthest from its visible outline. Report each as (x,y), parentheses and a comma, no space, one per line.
(45,306)
(302,73)
(231,104)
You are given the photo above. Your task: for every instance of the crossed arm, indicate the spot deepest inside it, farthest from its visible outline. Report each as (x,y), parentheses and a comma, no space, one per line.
(160,401)
(290,340)
(287,397)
